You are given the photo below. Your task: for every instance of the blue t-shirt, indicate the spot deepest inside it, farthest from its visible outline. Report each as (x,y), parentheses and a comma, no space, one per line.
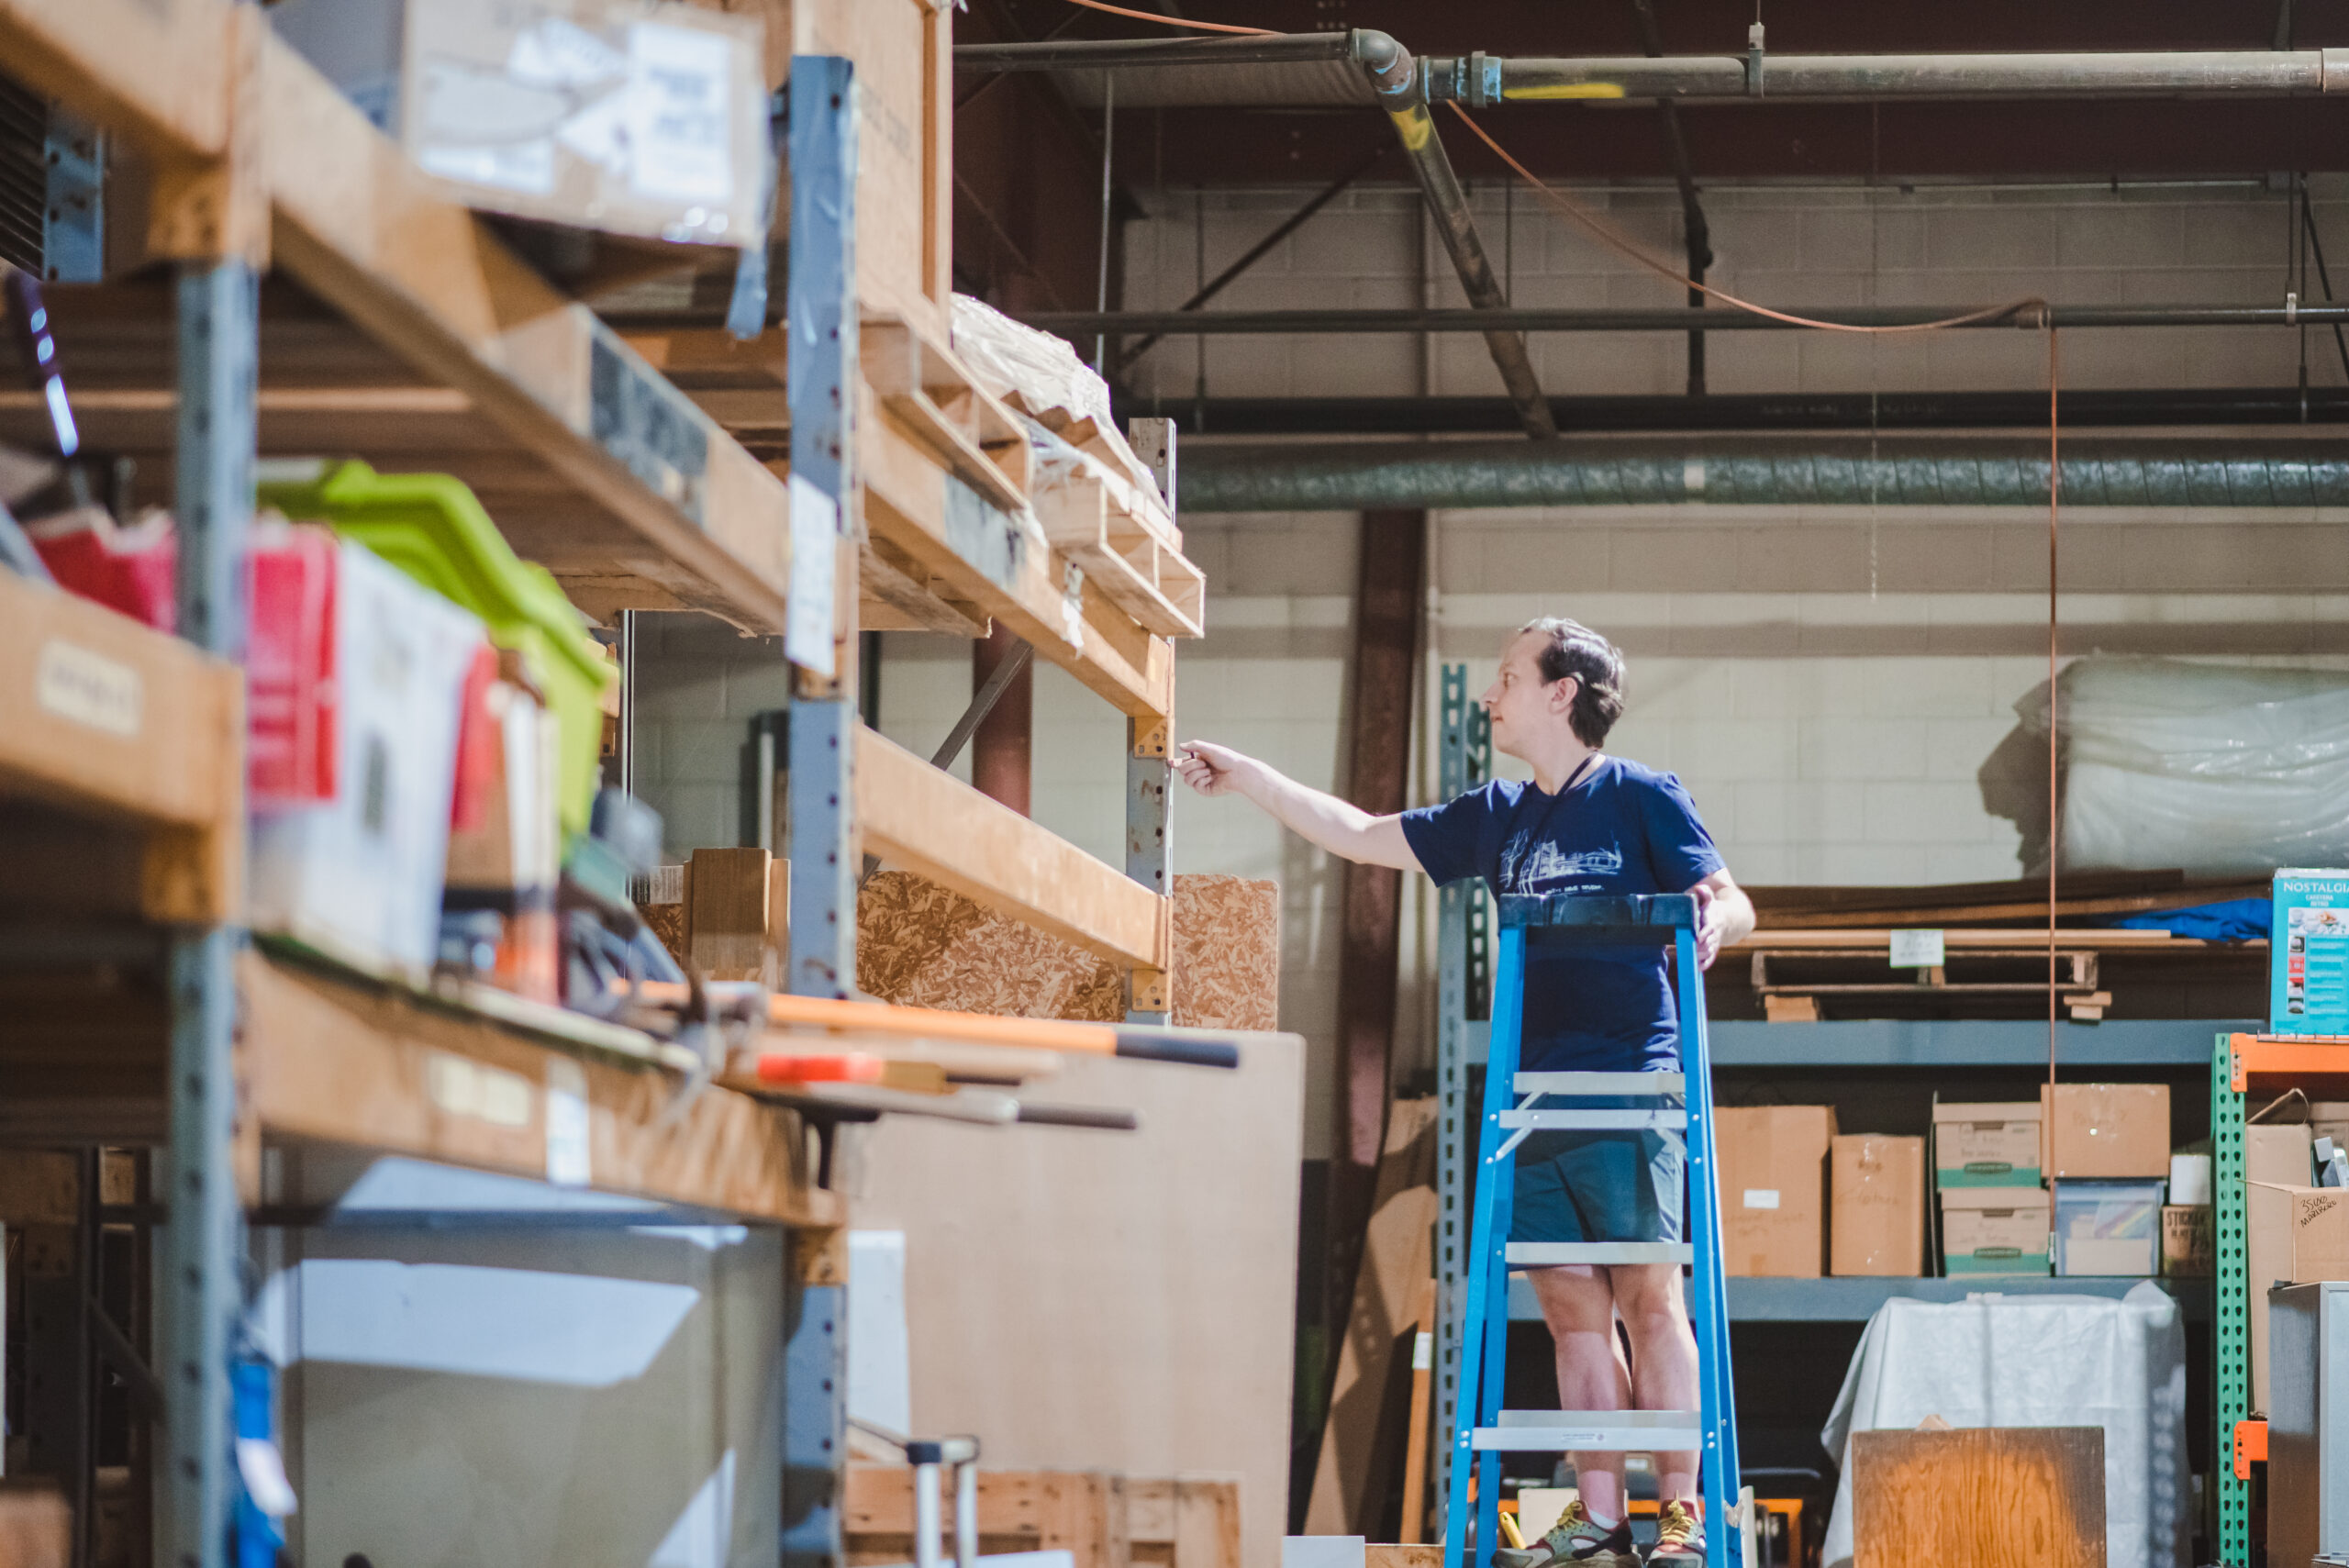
(1623,829)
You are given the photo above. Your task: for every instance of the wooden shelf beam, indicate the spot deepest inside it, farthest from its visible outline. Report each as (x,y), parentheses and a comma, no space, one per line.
(106,718)
(921,819)
(326,1061)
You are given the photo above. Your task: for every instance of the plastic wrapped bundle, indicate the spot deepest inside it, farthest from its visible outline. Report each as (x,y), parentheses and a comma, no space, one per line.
(2217,769)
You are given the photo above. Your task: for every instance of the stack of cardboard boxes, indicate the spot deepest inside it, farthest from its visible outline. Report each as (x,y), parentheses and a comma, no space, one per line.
(1801,1199)
(2297,1233)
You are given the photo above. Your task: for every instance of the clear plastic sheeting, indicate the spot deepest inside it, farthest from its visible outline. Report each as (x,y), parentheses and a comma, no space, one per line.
(2217,769)
(2035,1361)
(1040,377)
(1032,370)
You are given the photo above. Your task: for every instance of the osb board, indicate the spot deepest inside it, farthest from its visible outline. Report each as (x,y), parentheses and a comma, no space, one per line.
(1103,1301)
(921,945)
(1978,1497)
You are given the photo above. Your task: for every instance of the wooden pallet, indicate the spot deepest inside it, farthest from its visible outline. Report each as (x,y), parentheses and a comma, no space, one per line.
(1107,528)
(938,403)
(1101,1521)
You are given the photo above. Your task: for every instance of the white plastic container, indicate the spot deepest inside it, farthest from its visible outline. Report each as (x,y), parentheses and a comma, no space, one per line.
(2107,1228)
(359,878)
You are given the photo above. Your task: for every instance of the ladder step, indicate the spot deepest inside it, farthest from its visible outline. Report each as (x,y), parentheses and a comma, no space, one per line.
(1659,1119)
(1592,1431)
(1601,1084)
(1551,1254)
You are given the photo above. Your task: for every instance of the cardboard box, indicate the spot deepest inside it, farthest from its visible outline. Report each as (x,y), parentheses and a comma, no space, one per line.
(1773,1189)
(1878,1224)
(2189,1249)
(2307,953)
(1986,1145)
(2295,1235)
(1994,1231)
(614,114)
(2106,1130)
(2280,1154)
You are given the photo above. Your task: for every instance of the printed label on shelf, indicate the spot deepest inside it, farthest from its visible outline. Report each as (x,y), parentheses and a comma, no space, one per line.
(678,119)
(1422,1351)
(89,689)
(567,1124)
(467,1089)
(1917,950)
(815,550)
(1760,1198)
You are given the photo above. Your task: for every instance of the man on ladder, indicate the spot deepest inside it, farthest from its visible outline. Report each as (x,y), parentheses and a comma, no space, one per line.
(1588,823)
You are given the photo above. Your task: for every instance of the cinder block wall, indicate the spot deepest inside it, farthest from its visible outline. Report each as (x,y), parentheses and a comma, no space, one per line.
(2208,243)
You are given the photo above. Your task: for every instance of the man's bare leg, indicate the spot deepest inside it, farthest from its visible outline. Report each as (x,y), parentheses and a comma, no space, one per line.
(1579,1306)
(1663,1358)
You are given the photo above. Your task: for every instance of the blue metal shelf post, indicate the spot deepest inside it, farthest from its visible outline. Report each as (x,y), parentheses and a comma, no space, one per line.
(199,1272)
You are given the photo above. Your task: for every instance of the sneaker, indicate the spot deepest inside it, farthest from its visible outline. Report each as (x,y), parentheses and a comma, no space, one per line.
(1680,1539)
(1575,1538)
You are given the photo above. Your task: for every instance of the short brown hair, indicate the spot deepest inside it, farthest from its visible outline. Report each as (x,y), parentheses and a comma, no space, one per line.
(1570,648)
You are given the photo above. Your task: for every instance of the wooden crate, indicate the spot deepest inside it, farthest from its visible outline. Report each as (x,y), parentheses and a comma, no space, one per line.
(1102,1520)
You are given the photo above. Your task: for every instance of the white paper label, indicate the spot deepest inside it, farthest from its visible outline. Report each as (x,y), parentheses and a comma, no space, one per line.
(677,95)
(89,689)
(1916,950)
(263,1468)
(1422,1352)
(1760,1198)
(567,1129)
(466,1088)
(1073,605)
(815,556)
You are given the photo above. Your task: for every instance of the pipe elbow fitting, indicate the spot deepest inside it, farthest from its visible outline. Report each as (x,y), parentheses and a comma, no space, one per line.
(1394,75)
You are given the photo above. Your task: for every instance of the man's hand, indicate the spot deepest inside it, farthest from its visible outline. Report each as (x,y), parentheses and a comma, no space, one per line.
(1213,770)
(1709,922)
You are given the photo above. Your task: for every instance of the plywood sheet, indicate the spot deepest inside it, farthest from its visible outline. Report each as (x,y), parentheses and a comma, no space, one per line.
(1119,1302)
(1979,1498)
(925,946)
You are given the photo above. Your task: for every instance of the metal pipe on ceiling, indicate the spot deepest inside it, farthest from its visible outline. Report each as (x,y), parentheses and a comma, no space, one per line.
(1674,319)
(1591,414)
(1862,471)
(1395,80)
(1292,68)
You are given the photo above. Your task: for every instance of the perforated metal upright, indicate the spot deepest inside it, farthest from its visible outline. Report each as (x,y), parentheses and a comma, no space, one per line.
(1482,1427)
(200,1250)
(2230,1306)
(820,308)
(1463,762)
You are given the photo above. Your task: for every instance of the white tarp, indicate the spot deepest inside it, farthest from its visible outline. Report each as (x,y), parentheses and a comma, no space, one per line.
(2220,770)
(2035,1361)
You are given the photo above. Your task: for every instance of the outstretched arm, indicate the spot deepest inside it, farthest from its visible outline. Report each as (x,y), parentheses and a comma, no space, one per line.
(1344,830)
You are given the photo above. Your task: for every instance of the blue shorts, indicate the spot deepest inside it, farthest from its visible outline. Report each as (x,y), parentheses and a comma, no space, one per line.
(1597,1187)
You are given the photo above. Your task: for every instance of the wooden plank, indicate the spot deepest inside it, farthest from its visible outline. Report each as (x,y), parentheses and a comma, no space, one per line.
(1415,1452)
(159,72)
(1098,526)
(1978,1497)
(1869,942)
(905,504)
(1364,1439)
(921,819)
(332,1061)
(1207,1522)
(103,716)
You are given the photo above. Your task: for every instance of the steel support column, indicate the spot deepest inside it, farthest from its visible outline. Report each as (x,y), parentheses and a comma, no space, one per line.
(198,1287)
(73,226)
(1149,760)
(815,1418)
(822,381)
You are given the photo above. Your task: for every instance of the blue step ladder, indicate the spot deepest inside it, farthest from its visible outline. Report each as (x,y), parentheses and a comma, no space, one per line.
(1683,1100)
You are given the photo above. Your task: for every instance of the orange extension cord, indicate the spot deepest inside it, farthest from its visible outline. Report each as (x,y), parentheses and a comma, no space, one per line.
(1617,241)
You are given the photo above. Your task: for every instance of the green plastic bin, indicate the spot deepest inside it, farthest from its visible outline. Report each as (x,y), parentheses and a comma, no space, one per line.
(431,528)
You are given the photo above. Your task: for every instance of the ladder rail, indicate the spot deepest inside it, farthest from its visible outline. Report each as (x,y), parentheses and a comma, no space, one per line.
(1709,1314)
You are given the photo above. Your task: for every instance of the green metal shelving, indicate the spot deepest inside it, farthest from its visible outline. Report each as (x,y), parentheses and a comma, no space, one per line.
(2230,1311)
